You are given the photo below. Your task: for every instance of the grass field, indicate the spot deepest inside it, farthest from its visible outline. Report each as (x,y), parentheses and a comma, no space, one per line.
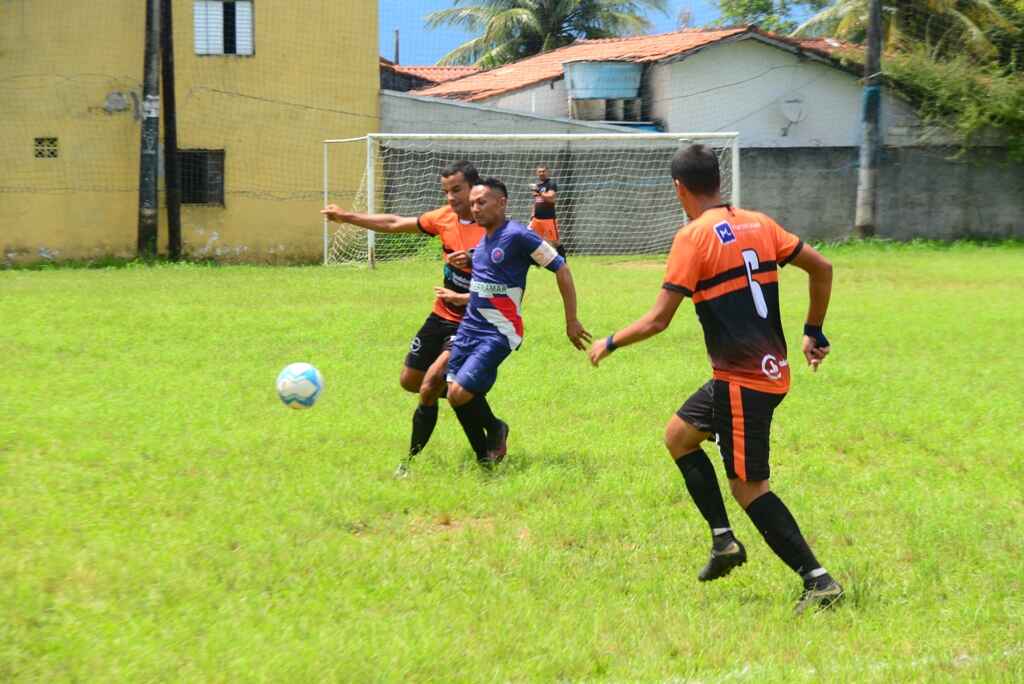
(164,517)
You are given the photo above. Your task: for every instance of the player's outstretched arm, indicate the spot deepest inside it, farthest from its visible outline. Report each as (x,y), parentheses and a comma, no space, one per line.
(451,297)
(819,270)
(574,330)
(650,324)
(382,223)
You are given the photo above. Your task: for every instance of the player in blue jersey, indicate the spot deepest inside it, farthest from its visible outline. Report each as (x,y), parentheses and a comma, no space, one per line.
(492,326)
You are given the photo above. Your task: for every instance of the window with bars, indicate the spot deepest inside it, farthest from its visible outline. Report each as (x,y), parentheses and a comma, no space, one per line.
(47,148)
(223,28)
(202,176)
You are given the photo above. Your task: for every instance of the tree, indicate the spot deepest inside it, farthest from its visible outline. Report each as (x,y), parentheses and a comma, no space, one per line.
(771,15)
(948,27)
(513,29)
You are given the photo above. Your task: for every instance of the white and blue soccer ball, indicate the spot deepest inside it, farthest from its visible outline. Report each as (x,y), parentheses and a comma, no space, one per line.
(299,385)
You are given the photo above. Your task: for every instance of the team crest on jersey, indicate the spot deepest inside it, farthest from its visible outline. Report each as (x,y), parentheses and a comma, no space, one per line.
(724,232)
(497,255)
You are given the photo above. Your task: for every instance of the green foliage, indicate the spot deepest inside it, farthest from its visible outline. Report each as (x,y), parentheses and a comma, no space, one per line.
(770,15)
(513,29)
(946,27)
(972,99)
(164,518)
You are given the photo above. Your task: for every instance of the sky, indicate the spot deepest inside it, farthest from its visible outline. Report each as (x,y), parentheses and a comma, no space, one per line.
(421,46)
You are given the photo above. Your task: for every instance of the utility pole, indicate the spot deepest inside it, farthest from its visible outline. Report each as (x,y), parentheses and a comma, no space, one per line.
(148,159)
(866,220)
(172,174)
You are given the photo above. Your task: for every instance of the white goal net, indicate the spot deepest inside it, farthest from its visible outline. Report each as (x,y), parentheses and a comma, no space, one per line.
(615,193)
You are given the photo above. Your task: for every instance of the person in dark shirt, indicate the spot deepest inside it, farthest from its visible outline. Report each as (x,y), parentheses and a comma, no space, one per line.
(544,221)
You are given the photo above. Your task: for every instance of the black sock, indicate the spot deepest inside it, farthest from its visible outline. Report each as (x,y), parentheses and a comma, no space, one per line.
(473,417)
(491,419)
(423,421)
(702,484)
(778,527)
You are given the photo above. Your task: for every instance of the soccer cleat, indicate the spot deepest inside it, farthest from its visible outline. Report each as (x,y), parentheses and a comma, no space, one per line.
(722,562)
(498,446)
(402,471)
(829,594)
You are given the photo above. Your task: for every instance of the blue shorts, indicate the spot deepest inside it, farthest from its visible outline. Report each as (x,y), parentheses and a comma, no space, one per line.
(475,359)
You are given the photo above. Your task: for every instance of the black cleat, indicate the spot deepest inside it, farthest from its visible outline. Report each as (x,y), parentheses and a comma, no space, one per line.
(498,445)
(828,594)
(722,562)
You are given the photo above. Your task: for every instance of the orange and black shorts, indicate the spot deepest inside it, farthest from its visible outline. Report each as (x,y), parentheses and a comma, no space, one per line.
(546,228)
(741,418)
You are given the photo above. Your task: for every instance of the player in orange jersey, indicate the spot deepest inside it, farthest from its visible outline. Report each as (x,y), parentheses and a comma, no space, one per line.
(727,259)
(426,363)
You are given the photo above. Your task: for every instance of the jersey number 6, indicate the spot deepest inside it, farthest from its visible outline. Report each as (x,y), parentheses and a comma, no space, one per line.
(751,262)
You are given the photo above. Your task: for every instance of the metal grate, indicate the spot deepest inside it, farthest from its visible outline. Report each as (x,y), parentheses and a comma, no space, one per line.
(47,148)
(202,176)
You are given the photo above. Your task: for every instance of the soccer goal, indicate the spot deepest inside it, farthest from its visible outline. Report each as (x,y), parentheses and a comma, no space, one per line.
(615,193)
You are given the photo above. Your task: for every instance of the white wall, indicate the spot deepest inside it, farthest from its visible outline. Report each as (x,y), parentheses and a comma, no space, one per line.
(740,86)
(403,113)
(545,99)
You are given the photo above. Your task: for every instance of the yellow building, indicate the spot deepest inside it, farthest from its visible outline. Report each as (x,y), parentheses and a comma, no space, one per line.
(259,85)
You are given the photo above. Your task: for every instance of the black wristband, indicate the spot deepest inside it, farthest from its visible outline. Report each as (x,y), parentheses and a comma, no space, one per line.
(814,331)
(609,343)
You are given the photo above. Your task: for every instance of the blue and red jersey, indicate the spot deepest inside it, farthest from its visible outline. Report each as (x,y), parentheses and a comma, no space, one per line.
(500,264)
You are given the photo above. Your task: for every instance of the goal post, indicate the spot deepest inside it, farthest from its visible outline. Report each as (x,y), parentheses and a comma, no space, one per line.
(615,193)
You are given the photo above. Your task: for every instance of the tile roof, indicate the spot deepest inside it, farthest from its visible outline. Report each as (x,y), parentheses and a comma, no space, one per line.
(437,74)
(547,66)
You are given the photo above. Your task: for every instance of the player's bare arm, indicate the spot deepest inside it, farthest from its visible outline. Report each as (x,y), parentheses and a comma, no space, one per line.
(382,223)
(574,330)
(451,297)
(819,271)
(656,320)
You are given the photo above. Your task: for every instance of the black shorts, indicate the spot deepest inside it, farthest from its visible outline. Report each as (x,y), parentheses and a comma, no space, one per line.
(433,338)
(742,420)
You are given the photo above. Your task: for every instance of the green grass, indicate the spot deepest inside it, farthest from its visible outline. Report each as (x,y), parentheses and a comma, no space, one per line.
(164,517)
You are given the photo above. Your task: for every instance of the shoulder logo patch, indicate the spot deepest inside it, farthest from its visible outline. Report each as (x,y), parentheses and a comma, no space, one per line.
(497,255)
(724,232)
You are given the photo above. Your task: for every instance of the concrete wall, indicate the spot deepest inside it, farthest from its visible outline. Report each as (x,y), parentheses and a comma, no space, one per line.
(402,113)
(73,72)
(925,193)
(545,99)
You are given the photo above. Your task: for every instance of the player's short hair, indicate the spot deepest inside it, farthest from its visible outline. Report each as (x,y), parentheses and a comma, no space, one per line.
(542,166)
(464,167)
(494,184)
(696,167)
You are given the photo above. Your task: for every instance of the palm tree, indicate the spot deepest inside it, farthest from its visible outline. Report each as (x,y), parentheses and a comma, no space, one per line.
(513,29)
(945,26)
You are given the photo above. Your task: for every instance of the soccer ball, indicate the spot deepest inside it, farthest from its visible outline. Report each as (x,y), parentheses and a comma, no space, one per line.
(299,385)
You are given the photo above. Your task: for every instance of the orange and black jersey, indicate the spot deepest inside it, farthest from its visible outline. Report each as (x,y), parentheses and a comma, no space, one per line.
(727,260)
(456,236)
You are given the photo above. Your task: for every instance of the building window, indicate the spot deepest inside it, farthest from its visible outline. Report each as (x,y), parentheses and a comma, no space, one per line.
(202,176)
(47,148)
(223,28)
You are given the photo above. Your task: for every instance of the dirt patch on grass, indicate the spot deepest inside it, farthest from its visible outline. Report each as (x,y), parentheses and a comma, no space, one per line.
(446,524)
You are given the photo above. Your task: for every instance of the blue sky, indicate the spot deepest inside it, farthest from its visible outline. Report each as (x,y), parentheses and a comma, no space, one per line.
(420,46)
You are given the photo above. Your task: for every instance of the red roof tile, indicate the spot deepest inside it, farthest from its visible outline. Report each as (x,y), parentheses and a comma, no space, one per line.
(437,74)
(548,65)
